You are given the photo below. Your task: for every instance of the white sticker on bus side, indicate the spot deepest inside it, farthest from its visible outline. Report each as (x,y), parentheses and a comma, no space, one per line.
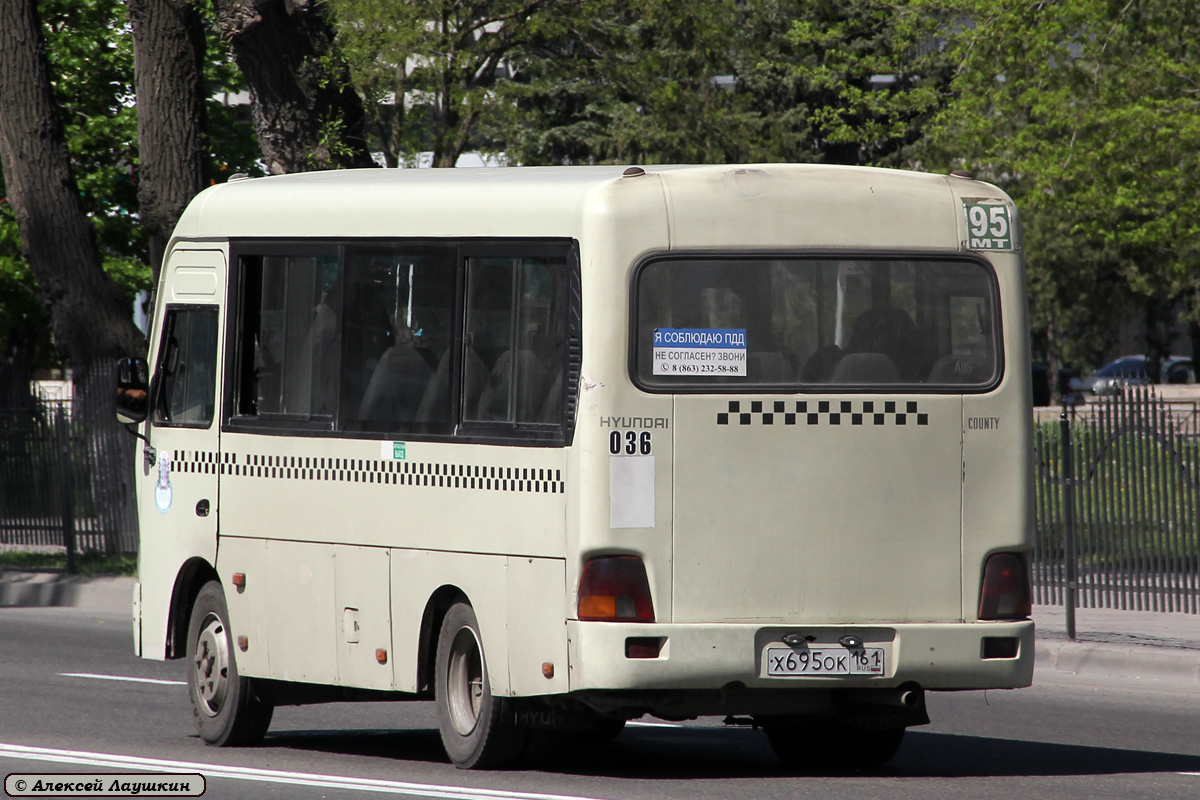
(631,491)
(392,451)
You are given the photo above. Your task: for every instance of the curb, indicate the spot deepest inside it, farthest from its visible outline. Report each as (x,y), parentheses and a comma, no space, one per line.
(54,590)
(1143,664)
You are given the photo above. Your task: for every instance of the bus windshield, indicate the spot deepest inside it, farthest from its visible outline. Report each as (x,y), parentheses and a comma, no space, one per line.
(728,322)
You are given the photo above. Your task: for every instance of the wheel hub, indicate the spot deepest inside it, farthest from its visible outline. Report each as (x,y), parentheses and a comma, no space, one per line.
(210,667)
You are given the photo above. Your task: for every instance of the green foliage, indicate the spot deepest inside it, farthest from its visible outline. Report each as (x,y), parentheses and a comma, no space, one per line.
(90,50)
(90,563)
(231,139)
(628,81)
(91,62)
(446,58)
(1085,110)
(866,75)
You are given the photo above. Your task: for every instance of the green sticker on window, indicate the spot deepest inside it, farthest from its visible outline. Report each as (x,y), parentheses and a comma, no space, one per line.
(988,227)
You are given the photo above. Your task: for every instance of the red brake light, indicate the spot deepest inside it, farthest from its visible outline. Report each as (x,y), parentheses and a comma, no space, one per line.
(615,589)
(1005,593)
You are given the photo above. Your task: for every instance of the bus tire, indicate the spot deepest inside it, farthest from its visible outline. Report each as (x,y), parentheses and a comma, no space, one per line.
(478,729)
(228,711)
(821,745)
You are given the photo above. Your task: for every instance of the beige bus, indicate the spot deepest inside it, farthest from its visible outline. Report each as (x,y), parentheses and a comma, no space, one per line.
(557,448)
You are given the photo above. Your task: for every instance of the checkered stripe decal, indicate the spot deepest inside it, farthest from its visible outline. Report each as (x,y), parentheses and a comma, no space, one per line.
(372,471)
(823,412)
(195,462)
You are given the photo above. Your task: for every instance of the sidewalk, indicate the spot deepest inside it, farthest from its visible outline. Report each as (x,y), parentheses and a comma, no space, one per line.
(1142,646)
(46,589)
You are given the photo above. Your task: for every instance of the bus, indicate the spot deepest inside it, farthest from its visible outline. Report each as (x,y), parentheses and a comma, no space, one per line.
(558,448)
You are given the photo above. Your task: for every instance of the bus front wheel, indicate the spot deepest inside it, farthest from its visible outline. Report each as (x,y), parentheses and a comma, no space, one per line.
(478,729)
(227,710)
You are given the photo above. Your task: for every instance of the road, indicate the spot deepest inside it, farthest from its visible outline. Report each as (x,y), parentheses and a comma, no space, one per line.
(61,710)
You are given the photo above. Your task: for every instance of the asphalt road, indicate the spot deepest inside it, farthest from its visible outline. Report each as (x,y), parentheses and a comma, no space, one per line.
(1064,738)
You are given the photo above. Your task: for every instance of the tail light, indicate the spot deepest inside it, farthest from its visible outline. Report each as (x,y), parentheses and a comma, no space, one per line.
(615,589)
(1005,593)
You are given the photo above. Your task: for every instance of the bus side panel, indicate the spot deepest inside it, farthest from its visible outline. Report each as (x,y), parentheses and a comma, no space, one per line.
(537,626)
(997,447)
(362,591)
(445,496)
(616,512)
(247,608)
(416,576)
(290,592)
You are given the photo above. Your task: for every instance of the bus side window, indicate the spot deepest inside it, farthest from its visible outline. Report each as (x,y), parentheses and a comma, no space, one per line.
(516,323)
(399,326)
(187,366)
(291,336)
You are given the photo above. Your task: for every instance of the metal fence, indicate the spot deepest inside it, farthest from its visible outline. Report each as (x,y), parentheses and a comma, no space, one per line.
(64,482)
(1118,505)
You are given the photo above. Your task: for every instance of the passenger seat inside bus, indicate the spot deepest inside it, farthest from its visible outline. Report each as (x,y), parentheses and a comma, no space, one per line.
(857,368)
(530,389)
(435,404)
(397,386)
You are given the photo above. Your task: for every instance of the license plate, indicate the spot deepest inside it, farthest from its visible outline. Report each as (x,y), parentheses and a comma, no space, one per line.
(825,661)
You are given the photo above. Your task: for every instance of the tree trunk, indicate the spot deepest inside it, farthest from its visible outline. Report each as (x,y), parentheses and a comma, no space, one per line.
(168,52)
(89,316)
(305,111)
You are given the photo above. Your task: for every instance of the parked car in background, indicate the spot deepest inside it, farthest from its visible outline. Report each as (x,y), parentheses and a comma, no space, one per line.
(1134,370)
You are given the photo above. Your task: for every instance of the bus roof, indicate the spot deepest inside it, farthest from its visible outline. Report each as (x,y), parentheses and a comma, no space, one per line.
(703,205)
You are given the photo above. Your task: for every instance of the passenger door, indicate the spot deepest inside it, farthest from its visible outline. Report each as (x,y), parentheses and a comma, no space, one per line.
(178,498)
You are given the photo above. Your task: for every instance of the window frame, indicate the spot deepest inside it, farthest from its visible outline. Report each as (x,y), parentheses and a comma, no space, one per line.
(800,387)
(559,434)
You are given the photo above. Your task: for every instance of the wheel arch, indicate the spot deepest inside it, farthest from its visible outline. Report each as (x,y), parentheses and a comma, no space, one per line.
(192,576)
(438,604)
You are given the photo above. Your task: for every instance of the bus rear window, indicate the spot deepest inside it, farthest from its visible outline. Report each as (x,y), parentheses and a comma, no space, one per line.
(728,323)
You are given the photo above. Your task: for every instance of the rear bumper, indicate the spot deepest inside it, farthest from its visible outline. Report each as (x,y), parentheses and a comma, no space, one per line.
(934,656)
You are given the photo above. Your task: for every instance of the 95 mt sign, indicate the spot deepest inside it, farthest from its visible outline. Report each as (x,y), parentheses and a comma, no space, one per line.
(989,226)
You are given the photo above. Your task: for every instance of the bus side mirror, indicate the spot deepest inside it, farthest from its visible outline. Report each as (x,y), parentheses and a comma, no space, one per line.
(133,390)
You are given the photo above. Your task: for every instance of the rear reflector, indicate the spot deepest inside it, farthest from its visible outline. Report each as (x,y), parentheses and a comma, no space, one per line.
(643,646)
(1005,593)
(1000,647)
(615,589)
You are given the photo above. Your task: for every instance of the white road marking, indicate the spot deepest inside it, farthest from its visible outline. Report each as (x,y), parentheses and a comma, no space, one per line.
(121,678)
(135,763)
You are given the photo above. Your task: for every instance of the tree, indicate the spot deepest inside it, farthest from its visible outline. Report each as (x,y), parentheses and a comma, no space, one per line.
(754,80)
(627,81)
(840,82)
(1085,112)
(169,53)
(304,109)
(89,313)
(432,78)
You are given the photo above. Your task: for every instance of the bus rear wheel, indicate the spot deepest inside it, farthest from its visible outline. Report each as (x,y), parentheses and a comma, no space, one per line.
(821,745)
(478,729)
(228,712)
